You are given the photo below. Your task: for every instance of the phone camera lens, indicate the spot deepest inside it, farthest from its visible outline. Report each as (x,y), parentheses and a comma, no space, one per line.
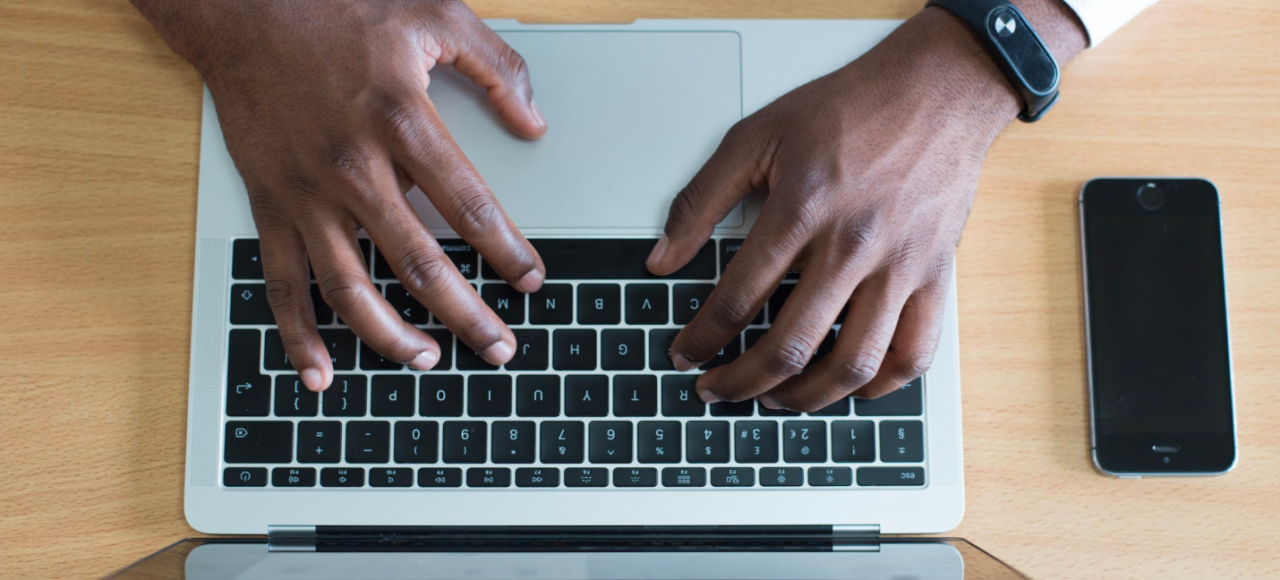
(1150,196)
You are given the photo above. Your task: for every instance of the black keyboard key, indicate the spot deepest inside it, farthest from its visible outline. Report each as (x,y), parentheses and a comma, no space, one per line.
(635,477)
(756,442)
(647,304)
(840,408)
(488,477)
(392,396)
(586,477)
(708,441)
(610,441)
(751,337)
(680,398)
(346,397)
(830,476)
(319,441)
(622,350)
(439,477)
(660,340)
(293,477)
(658,442)
(804,441)
(342,347)
(781,476)
(574,350)
(505,301)
(463,257)
(368,442)
(901,441)
(489,396)
(370,360)
(249,305)
(733,477)
(538,477)
(538,395)
(244,477)
(440,395)
(246,261)
(416,441)
(274,358)
(853,441)
(687,300)
(727,354)
(532,348)
(684,477)
(777,299)
(599,304)
(342,477)
(907,401)
(616,259)
(586,395)
(391,477)
(730,409)
(513,441)
(470,360)
(381,269)
(562,441)
(551,304)
(635,395)
(259,442)
(293,399)
(767,412)
(728,249)
(324,314)
(877,476)
(465,441)
(248,390)
(409,308)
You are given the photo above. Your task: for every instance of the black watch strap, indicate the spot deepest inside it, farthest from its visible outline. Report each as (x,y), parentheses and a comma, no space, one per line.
(1016,48)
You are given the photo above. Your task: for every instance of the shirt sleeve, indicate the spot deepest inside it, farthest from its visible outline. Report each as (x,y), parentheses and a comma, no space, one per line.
(1102,17)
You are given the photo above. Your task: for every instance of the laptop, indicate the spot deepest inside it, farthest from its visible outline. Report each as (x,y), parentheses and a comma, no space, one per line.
(598,434)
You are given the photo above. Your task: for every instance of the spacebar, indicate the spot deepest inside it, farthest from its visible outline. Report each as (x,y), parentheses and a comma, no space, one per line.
(611,259)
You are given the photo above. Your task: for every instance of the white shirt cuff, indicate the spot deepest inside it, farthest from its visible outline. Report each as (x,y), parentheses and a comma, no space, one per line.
(1102,17)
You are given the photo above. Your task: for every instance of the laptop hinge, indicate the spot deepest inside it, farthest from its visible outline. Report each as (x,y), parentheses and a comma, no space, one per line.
(845,537)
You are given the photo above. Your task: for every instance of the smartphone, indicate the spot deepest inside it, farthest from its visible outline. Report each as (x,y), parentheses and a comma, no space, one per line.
(1155,301)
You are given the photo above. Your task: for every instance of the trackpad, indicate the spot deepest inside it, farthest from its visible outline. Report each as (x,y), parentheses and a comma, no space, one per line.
(631,116)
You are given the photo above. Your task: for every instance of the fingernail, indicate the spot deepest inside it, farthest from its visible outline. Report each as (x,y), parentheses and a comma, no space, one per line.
(498,353)
(682,362)
(768,402)
(424,361)
(537,114)
(313,379)
(530,282)
(708,397)
(659,250)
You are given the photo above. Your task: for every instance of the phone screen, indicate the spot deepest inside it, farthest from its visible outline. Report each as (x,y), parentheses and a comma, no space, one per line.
(1159,358)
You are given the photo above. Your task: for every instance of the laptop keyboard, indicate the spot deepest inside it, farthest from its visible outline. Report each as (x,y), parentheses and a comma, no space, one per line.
(589,400)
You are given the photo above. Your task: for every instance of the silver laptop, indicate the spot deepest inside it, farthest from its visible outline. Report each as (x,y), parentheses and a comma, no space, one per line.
(598,432)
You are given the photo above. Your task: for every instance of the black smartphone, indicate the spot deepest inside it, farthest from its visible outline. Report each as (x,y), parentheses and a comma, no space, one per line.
(1156,327)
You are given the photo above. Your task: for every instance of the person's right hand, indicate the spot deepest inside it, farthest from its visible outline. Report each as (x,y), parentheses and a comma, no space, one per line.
(324,107)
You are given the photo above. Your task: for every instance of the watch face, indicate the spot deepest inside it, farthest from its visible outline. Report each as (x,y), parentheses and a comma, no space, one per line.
(1005,22)
(1022,51)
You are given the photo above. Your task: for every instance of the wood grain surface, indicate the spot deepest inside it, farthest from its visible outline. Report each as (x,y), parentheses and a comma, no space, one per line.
(99,127)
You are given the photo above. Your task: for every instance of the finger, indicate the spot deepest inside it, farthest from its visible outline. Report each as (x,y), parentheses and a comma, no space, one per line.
(429,275)
(731,172)
(747,283)
(475,50)
(424,148)
(914,342)
(785,351)
(288,280)
(859,351)
(344,283)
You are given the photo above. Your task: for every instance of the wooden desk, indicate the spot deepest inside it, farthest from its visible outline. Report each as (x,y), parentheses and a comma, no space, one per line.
(99,128)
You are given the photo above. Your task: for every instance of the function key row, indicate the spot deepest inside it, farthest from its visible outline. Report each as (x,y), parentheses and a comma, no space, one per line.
(533,395)
(550,477)
(574,442)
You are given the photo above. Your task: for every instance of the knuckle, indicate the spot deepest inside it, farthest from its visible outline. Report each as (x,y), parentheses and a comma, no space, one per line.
(475,211)
(399,123)
(513,67)
(297,182)
(856,372)
(918,360)
(731,312)
(807,217)
(423,273)
(347,166)
(788,356)
(284,296)
(855,240)
(343,292)
(684,208)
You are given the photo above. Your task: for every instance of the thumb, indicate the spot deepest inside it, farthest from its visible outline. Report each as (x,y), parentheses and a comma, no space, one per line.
(733,170)
(475,50)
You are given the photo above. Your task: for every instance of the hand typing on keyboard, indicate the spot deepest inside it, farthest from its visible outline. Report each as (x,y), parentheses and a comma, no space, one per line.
(870,173)
(324,108)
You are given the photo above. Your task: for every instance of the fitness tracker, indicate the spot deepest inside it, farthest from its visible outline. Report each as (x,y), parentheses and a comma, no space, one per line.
(1016,48)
